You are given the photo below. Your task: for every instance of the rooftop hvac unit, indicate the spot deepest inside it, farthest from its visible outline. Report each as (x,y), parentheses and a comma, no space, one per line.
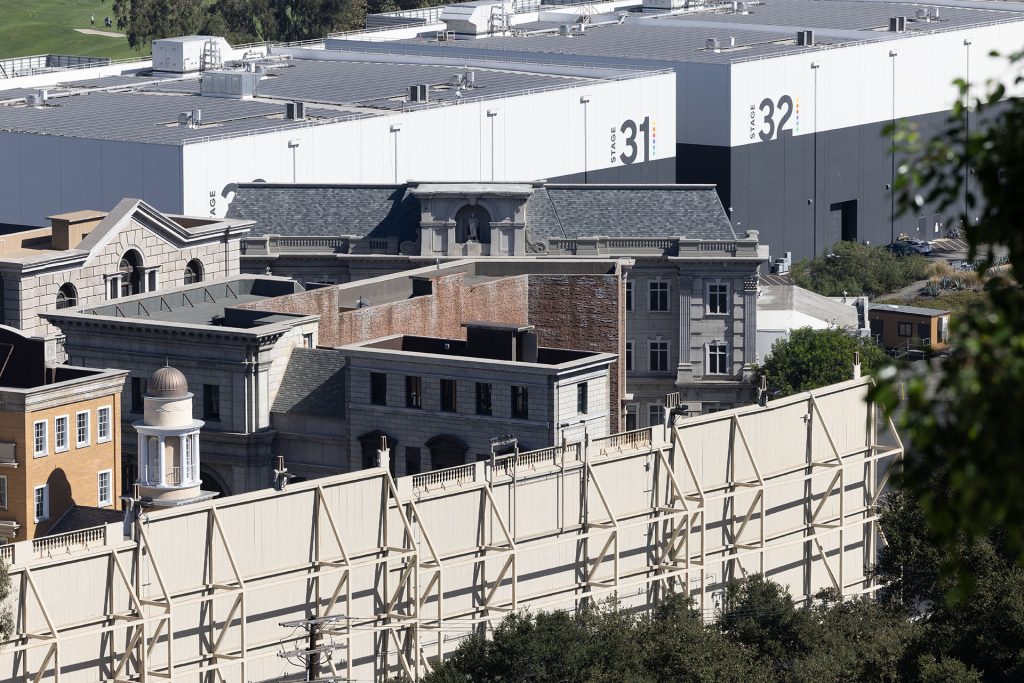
(578,29)
(33,100)
(564,30)
(712,44)
(197,117)
(295,111)
(933,13)
(805,37)
(419,93)
(897,24)
(237,85)
(922,14)
(185,119)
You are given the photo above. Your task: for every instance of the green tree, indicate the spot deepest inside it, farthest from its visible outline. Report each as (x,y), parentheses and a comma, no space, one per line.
(6,618)
(810,358)
(145,20)
(965,434)
(859,269)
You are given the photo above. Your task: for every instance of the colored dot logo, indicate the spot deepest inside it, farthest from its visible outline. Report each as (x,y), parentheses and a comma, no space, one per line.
(654,138)
(796,113)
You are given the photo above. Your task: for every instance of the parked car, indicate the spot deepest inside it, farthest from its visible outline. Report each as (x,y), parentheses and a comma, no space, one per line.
(904,247)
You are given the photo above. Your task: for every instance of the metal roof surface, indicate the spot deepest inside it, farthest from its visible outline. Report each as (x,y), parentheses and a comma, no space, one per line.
(768,29)
(138,109)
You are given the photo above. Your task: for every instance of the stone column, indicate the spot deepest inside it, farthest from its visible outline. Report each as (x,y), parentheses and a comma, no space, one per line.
(750,320)
(685,367)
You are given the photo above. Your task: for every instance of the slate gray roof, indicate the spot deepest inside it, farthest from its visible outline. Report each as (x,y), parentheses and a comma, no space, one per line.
(382,211)
(908,310)
(627,211)
(80,517)
(313,384)
(371,211)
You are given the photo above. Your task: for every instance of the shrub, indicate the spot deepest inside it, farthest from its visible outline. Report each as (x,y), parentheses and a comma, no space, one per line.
(859,269)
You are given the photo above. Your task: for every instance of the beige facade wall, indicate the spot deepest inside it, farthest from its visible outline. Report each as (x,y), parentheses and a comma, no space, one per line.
(37,293)
(71,474)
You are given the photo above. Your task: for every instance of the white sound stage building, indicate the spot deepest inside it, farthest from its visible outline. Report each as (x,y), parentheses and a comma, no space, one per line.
(182,140)
(783,104)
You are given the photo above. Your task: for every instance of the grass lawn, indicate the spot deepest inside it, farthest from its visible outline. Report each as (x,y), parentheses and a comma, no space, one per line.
(33,27)
(954,302)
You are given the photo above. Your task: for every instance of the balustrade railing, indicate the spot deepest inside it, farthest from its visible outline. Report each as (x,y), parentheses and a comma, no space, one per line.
(66,543)
(450,476)
(626,441)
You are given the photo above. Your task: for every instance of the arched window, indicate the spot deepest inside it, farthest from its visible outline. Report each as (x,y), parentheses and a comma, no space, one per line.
(446,451)
(193,272)
(131,273)
(67,296)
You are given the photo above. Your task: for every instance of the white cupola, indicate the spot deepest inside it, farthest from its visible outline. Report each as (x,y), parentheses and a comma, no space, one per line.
(169,443)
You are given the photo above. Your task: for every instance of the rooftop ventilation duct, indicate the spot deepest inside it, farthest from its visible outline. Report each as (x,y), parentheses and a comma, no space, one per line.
(805,38)
(295,111)
(897,24)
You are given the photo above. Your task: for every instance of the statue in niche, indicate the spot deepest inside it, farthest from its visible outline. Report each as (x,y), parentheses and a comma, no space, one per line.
(473,224)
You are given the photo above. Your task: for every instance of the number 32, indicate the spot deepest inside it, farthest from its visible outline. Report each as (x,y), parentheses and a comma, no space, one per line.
(767,107)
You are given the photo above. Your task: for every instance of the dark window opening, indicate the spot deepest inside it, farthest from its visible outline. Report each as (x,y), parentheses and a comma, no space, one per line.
(67,296)
(581,397)
(211,402)
(131,273)
(413,392)
(905,330)
(446,451)
(137,404)
(412,460)
(483,399)
(378,389)
(520,403)
(449,398)
(193,272)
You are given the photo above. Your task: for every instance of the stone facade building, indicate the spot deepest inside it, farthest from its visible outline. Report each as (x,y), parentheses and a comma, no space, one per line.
(439,402)
(60,438)
(690,293)
(88,257)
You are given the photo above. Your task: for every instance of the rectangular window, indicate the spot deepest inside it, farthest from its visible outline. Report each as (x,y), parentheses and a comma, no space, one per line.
(717,298)
(655,415)
(378,389)
(483,399)
(905,329)
(629,356)
(629,295)
(39,445)
(103,484)
(3,492)
(449,398)
(60,433)
(520,403)
(137,389)
(412,460)
(581,398)
(631,417)
(413,392)
(103,424)
(188,474)
(82,428)
(659,295)
(307,340)
(41,497)
(658,355)
(211,402)
(718,363)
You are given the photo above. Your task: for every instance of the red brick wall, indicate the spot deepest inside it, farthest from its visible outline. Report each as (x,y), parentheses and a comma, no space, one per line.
(440,314)
(585,312)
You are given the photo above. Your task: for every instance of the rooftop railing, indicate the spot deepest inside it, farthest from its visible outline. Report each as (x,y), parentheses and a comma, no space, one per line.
(48,546)
(667,246)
